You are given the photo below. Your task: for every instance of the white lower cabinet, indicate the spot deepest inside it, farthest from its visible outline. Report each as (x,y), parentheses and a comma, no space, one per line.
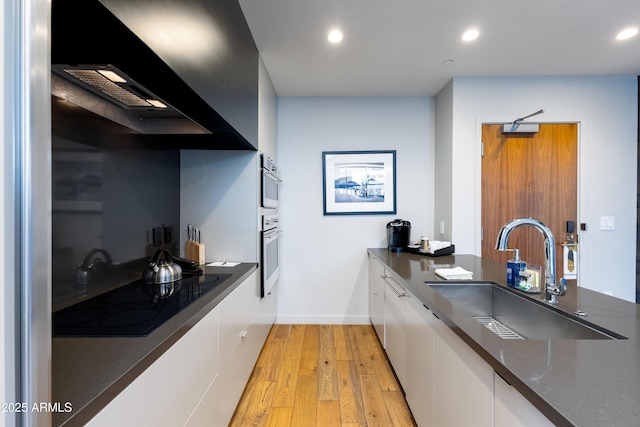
(463,382)
(395,336)
(207,413)
(199,380)
(511,409)
(167,391)
(376,297)
(446,383)
(419,382)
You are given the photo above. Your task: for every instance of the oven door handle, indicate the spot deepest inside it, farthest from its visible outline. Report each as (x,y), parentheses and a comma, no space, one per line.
(271,176)
(270,234)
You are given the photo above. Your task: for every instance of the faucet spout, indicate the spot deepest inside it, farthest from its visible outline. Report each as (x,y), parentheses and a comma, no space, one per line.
(551,289)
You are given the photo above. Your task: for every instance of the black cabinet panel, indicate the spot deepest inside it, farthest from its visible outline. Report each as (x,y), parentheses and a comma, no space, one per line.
(209,45)
(198,55)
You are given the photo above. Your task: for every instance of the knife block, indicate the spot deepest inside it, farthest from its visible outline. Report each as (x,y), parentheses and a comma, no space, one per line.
(194,251)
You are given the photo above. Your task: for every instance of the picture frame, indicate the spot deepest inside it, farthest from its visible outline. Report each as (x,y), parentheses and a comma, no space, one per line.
(359,182)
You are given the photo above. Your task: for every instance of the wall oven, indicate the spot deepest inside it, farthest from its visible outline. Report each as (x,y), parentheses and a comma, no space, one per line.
(270,252)
(270,183)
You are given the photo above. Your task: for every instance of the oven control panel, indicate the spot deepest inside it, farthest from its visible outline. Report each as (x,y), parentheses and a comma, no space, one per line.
(269,222)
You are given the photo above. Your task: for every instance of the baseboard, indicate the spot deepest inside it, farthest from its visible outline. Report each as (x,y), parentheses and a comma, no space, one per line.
(293,319)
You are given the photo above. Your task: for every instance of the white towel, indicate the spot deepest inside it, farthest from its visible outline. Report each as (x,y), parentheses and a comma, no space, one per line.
(456,273)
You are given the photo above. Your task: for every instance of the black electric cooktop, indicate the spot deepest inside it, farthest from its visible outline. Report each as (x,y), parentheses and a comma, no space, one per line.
(135,309)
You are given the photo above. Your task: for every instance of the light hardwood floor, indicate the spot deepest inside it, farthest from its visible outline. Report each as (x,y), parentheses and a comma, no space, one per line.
(324,376)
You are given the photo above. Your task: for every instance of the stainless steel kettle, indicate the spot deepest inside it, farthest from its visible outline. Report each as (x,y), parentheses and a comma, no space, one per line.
(162,269)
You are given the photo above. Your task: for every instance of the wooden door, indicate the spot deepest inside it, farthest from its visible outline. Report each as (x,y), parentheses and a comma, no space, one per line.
(529,175)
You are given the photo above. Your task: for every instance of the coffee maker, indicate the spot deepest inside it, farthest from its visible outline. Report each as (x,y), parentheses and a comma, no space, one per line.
(398,235)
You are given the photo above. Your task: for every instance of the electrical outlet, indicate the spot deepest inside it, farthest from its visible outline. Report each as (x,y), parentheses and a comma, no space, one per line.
(607,223)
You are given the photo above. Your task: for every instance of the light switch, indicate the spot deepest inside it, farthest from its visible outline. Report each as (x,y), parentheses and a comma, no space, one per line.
(441,228)
(607,223)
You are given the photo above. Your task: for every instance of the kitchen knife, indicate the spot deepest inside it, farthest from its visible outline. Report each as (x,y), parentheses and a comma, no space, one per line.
(157,236)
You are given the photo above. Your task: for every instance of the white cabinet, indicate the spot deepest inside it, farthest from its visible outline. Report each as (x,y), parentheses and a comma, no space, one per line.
(237,311)
(463,382)
(394,315)
(199,380)
(419,384)
(511,409)
(243,328)
(376,297)
(207,413)
(446,383)
(167,392)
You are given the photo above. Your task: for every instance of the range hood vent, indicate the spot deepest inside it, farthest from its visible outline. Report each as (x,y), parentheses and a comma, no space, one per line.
(84,53)
(107,81)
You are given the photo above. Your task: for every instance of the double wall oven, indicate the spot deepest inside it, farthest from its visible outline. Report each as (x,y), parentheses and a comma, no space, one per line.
(270,234)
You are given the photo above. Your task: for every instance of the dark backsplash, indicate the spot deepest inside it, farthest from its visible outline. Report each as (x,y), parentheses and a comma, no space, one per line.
(109,195)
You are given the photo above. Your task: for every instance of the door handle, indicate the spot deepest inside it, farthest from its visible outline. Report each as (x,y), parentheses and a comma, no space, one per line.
(395,291)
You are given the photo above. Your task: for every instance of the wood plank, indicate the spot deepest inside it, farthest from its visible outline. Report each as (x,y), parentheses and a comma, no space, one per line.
(384,371)
(288,375)
(306,396)
(327,375)
(360,351)
(256,408)
(329,413)
(398,409)
(351,406)
(280,417)
(343,347)
(282,330)
(374,403)
(269,363)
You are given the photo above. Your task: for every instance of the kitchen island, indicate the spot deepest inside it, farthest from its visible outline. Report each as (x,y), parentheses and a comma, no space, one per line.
(89,372)
(575,382)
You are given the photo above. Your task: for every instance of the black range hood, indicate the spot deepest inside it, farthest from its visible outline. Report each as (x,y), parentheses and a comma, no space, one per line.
(88,38)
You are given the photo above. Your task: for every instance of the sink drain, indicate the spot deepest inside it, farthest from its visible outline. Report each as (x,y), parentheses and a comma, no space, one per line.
(498,328)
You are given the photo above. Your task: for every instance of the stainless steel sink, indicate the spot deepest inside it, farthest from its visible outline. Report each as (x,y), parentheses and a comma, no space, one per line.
(510,315)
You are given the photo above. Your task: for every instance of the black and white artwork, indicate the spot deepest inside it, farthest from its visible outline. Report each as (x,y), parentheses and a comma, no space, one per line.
(359,182)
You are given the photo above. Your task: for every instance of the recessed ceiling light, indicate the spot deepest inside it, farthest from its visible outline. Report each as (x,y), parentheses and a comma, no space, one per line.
(334,36)
(627,33)
(470,35)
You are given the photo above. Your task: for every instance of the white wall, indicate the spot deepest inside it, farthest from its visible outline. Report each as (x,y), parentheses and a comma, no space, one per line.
(443,171)
(606,110)
(220,189)
(267,112)
(324,263)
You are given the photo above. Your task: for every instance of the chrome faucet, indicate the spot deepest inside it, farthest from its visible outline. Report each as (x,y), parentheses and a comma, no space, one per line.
(552,290)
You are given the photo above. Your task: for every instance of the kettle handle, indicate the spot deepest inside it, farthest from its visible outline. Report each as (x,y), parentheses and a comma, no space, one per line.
(161,254)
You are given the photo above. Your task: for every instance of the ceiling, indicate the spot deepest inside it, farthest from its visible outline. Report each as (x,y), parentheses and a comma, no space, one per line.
(399,47)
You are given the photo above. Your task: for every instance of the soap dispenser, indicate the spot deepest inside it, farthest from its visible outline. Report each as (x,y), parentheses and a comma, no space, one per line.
(514,267)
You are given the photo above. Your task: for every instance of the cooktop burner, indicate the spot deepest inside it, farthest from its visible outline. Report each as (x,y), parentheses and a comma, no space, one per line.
(135,309)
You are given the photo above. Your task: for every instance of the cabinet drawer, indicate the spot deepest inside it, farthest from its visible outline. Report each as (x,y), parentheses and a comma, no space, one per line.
(235,373)
(236,312)
(168,391)
(208,411)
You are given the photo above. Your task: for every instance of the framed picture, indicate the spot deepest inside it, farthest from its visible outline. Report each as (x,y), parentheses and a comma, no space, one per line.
(359,182)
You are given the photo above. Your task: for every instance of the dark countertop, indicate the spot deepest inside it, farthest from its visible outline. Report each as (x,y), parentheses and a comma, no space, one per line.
(90,372)
(573,382)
